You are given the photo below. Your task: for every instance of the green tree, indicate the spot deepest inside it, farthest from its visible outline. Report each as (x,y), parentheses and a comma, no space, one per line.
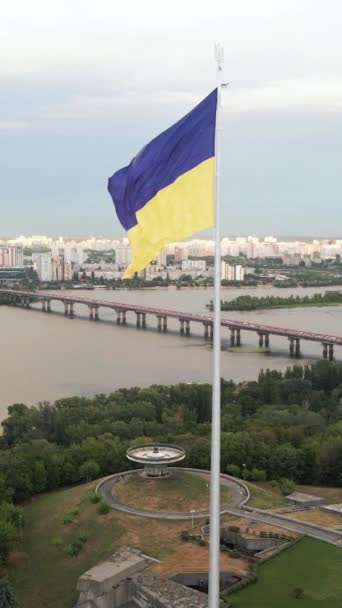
(7,538)
(11,513)
(286,486)
(39,477)
(19,478)
(7,594)
(258,475)
(298,593)
(233,470)
(89,470)
(284,462)
(70,471)
(248,405)
(329,461)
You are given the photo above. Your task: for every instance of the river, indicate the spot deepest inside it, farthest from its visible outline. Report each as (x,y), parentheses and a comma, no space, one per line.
(47,356)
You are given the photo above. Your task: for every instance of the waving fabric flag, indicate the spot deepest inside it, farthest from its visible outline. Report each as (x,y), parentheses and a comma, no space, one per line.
(167,191)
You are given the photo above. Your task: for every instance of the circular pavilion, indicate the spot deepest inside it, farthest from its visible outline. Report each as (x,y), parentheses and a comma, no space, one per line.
(155,458)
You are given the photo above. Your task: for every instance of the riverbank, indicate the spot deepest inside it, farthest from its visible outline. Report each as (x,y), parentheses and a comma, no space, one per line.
(278,306)
(80,357)
(248,349)
(250,303)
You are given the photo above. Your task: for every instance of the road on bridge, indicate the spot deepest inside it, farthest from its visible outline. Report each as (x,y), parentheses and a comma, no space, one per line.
(262,330)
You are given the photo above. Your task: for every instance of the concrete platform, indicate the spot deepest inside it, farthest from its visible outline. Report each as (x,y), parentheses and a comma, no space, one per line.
(336,508)
(304,500)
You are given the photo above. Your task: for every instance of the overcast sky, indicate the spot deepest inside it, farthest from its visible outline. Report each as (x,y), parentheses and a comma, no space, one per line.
(84,85)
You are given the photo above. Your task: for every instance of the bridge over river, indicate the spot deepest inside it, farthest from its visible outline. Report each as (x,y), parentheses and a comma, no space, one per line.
(24,298)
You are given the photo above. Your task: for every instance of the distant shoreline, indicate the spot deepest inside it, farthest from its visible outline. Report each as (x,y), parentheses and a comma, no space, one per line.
(250,303)
(267,286)
(304,305)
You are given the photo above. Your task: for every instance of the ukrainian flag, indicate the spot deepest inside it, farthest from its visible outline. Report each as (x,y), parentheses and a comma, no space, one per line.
(167,191)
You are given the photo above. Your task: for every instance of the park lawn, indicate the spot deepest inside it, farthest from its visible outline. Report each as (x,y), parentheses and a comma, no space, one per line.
(181,492)
(312,565)
(45,576)
(264,496)
(318,517)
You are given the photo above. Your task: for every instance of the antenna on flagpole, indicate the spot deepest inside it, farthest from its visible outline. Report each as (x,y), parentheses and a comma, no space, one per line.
(219,55)
(214,547)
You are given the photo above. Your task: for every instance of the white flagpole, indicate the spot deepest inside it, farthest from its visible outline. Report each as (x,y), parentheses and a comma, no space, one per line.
(214,548)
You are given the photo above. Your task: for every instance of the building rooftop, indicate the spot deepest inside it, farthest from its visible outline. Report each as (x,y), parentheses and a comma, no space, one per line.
(124,569)
(336,508)
(107,574)
(170,594)
(155,453)
(117,563)
(303,498)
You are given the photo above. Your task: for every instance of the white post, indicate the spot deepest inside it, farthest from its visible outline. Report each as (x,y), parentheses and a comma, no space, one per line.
(214,548)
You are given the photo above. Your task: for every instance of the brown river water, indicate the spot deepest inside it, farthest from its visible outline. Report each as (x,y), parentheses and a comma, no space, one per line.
(48,356)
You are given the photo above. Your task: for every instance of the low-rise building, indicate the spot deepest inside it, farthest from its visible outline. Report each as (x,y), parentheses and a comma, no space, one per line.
(120,582)
(9,277)
(193,265)
(300,499)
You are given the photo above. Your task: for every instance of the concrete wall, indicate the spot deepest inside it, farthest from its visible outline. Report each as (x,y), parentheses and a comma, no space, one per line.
(250,545)
(109,584)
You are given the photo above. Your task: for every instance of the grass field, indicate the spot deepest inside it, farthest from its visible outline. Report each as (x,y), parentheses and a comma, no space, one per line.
(312,565)
(45,576)
(318,517)
(182,492)
(264,496)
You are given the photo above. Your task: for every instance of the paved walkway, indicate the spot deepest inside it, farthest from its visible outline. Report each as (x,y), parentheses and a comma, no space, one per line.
(320,533)
(239,496)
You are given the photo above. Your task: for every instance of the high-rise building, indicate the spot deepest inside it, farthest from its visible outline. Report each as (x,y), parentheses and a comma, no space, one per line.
(11,256)
(123,253)
(239,273)
(43,266)
(74,254)
(181,253)
(161,259)
(232,273)
(58,264)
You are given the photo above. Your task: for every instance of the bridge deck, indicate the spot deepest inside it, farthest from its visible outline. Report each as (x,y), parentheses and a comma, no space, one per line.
(137,308)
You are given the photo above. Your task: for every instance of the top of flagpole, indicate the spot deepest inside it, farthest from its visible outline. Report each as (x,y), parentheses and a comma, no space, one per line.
(219,55)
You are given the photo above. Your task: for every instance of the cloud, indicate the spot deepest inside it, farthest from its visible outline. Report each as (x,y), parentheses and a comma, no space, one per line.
(12,125)
(279,96)
(104,106)
(310,94)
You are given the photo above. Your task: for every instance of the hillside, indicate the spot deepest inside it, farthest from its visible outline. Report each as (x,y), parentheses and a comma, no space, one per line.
(44,574)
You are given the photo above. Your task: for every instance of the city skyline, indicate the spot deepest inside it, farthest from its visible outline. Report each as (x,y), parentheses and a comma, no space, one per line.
(204,236)
(80,98)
